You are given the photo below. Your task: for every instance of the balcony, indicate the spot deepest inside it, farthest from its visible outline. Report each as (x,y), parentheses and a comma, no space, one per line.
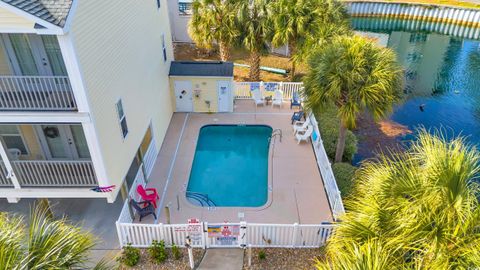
(33,74)
(49,173)
(36,93)
(46,156)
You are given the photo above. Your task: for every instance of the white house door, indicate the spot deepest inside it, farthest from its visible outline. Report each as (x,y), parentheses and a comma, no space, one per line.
(224,98)
(183,96)
(63,142)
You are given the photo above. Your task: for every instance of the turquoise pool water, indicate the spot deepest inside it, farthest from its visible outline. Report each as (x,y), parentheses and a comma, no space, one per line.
(230,165)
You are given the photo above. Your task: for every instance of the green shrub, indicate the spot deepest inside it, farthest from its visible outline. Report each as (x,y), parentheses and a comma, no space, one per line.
(344,173)
(130,255)
(176,252)
(262,255)
(329,123)
(157,251)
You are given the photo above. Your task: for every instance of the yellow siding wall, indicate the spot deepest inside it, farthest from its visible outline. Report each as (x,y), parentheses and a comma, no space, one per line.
(33,145)
(119,49)
(10,20)
(207,88)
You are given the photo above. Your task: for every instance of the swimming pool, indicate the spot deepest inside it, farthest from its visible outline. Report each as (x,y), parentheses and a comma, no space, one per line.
(230,166)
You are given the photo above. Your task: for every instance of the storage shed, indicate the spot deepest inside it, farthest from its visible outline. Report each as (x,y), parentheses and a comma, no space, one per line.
(202,86)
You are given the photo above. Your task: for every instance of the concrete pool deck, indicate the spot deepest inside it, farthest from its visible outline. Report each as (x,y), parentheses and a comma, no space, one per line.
(297,193)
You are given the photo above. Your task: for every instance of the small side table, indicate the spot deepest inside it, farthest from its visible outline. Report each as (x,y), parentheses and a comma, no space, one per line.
(268,100)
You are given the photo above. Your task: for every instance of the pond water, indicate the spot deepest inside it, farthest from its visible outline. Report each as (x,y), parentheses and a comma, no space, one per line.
(442,79)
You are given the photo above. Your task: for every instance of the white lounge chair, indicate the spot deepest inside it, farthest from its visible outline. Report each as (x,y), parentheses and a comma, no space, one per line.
(300,126)
(277,98)
(257,97)
(304,136)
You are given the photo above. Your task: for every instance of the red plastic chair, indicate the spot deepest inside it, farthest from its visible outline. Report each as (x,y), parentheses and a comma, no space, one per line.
(148,194)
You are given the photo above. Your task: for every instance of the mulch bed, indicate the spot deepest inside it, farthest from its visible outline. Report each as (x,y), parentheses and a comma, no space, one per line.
(182,264)
(283,258)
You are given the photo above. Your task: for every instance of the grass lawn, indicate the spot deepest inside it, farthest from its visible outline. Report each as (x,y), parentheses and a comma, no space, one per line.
(240,56)
(463,4)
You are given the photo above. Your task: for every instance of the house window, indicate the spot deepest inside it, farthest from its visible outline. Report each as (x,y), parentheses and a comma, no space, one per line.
(13,138)
(158,3)
(122,118)
(164,49)
(185,7)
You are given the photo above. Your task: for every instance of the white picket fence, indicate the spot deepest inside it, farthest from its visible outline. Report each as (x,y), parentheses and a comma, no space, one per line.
(243,90)
(207,235)
(333,193)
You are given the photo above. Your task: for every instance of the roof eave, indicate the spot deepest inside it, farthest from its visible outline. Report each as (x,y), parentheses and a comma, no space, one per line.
(52,28)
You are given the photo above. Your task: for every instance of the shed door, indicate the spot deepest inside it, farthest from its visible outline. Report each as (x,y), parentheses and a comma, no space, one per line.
(224,98)
(183,96)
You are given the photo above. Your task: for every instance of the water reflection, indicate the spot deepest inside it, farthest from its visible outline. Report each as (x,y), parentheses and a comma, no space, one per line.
(442,82)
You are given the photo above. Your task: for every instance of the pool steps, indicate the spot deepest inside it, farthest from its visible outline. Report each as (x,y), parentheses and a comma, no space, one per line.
(200,199)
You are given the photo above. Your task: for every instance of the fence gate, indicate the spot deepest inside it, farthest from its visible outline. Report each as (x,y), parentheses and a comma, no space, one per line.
(225,235)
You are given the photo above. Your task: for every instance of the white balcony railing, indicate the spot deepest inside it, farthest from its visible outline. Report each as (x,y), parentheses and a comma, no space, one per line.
(51,173)
(4,181)
(36,93)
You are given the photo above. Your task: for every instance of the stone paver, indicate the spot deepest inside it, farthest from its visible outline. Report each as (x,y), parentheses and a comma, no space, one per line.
(222,259)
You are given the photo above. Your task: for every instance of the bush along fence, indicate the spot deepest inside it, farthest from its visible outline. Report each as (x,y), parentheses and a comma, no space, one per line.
(323,163)
(210,235)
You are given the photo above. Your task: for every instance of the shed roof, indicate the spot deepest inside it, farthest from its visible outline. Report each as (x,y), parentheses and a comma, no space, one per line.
(201,68)
(52,11)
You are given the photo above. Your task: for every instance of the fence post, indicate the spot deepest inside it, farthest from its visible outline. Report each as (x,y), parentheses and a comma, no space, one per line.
(205,235)
(119,233)
(243,234)
(295,233)
(161,228)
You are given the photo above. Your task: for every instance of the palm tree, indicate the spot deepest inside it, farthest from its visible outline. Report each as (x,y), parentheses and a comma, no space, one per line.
(213,21)
(45,244)
(355,75)
(257,30)
(420,208)
(297,23)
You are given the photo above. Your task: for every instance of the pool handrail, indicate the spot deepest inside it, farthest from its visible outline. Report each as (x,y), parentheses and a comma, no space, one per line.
(201,198)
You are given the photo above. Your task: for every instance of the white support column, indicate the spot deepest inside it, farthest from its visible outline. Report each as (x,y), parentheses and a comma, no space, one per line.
(97,158)
(74,73)
(8,165)
(66,43)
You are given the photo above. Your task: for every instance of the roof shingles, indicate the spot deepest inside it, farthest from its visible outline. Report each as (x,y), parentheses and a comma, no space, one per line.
(201,68)
(52,11)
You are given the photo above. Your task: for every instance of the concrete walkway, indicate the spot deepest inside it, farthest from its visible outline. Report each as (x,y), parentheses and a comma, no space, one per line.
(222,259)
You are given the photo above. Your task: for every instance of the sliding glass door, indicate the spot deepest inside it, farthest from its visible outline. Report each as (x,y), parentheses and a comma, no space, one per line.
(34,55)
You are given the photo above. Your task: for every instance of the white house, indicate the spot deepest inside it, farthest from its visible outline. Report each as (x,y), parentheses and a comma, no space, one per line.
(84,94)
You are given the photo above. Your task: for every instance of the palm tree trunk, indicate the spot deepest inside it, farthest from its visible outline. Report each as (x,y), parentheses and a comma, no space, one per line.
(254,66)
(341,142)
(291,50)
(224,51)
